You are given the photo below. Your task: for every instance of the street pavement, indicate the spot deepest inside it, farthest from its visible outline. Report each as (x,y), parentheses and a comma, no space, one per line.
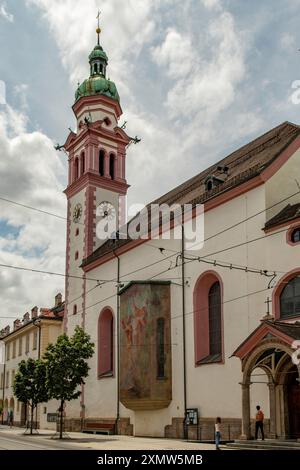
(14,439)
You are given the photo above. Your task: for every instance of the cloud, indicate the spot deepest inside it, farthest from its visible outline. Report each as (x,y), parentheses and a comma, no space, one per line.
(5,14)
(176,53)
(203,85)
(288,41)
(29,173)
(21,92)
(126,26)
(212,4)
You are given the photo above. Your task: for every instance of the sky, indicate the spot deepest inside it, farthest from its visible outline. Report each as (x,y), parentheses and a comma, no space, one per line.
(197,80)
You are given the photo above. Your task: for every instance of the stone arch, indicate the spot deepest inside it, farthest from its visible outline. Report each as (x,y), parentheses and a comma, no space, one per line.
(278,419)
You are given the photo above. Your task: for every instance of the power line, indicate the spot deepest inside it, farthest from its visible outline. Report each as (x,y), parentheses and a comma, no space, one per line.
(25,206)
(249,218)
(38,271)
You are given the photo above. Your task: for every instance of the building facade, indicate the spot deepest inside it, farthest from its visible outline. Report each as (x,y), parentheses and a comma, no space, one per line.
(211,330)
(28,339)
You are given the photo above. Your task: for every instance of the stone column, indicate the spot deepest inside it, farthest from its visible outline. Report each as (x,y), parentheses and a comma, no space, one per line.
(106,165)
(246,431)
(272,395)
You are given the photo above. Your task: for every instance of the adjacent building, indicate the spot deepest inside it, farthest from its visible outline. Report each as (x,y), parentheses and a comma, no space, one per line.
(29,338)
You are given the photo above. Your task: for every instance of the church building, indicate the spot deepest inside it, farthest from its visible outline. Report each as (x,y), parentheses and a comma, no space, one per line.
(183,336)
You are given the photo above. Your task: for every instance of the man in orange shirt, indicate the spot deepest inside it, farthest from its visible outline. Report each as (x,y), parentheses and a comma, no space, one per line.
(259,423)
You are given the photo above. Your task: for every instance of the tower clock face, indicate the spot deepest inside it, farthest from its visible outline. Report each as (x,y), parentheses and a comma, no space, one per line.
(107,211)
(77,213)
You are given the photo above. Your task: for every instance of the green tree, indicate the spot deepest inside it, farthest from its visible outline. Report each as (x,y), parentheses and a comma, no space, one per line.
(67,367)
(30,385)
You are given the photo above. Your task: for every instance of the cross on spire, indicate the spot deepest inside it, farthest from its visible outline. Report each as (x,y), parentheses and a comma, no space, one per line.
(98,30)
(268,302)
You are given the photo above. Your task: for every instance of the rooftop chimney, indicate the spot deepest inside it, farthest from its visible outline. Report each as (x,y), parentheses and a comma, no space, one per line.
(17,324)
(34,312)
(26,318)
(58,300)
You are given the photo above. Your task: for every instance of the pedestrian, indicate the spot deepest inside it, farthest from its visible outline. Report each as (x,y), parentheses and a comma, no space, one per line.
(218,433)
(11,418)
(259,423)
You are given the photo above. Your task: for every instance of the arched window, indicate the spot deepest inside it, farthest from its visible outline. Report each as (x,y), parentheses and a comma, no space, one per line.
(95,68)
(208,319)
(101,162)
(160,348)
(290,299)
(112,166)
(76,172)
(76,256)
(214,308)
(75,310)
(82,164)
(106,343)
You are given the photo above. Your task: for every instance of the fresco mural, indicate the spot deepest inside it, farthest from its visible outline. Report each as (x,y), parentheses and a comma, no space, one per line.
(145,359)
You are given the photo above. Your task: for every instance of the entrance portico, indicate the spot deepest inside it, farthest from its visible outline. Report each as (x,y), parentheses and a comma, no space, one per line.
(269,348)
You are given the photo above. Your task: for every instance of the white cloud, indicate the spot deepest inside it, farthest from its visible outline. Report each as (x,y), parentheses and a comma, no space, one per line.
(288,41)
(198,73)
(126,26)
(5,14)
(212,4)
(29,171)
(176,52)
(21,92)
(205,86)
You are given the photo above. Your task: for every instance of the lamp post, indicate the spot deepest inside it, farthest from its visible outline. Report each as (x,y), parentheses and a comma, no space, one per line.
(37,322)
(3,381)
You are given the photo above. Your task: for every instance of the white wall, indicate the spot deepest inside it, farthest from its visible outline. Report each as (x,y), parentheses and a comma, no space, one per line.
(214,389)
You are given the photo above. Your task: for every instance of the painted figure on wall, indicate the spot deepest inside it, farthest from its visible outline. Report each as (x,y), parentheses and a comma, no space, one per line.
(142,304)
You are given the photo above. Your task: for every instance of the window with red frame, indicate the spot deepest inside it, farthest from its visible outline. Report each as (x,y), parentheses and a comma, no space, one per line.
(290,299)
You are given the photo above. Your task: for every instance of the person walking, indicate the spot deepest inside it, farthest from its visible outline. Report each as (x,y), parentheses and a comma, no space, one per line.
(259,423)
(218,433)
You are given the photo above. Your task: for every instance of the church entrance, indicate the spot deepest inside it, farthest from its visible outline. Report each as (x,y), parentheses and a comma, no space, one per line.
(293,402)
(271,379)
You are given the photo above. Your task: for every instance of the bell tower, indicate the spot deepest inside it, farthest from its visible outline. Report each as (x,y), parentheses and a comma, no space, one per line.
(97,170)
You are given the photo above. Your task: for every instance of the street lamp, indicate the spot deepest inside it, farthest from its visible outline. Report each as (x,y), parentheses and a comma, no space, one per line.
(4,374)
(37,322)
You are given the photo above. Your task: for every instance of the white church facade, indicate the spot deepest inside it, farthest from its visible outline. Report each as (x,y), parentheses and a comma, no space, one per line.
(212,330)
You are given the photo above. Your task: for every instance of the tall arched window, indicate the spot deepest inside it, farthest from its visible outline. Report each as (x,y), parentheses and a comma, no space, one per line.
(290,298)
(112,166)
(214,310)
(101,162)
(106,343)
(82,164)
(76,169)
(208,319)
(160,348)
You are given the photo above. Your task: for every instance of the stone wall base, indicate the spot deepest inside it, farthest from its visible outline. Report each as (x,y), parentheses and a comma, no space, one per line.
(231,429)
(124,428)
(176,429)
(72,424)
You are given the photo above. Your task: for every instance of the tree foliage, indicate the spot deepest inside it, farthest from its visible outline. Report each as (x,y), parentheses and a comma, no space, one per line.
(30,385)
(67,367)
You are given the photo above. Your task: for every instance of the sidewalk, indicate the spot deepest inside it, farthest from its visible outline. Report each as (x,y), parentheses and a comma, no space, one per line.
(101,442)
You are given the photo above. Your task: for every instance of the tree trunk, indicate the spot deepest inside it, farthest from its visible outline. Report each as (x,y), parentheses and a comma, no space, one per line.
(61,419)
(31,420)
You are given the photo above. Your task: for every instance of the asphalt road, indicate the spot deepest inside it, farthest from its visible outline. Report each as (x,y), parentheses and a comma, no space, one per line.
(13,442)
